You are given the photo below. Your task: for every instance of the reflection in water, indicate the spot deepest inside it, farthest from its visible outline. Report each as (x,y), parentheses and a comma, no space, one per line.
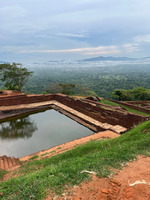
(15,129)
(51,129)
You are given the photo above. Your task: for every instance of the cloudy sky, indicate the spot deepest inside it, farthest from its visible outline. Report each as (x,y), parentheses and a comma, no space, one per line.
(72,29)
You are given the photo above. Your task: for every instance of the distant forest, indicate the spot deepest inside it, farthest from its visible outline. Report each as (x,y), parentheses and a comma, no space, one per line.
(102,80)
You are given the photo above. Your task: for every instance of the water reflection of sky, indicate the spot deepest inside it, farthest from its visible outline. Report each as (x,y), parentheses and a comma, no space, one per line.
(38,132)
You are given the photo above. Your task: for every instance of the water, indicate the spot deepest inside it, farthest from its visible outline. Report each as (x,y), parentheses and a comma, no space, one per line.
(38,132)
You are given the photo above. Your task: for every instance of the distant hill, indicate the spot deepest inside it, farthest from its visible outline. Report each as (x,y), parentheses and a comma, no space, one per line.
(101,58)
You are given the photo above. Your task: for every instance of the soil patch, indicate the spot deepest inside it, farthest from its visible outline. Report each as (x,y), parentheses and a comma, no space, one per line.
(131,183)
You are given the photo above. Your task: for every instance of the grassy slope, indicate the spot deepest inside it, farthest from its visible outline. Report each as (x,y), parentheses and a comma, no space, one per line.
(38,176)
(110,103)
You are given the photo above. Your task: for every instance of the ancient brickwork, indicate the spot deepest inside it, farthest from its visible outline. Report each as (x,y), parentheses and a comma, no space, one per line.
(102,114)
(98,112)
(134,105)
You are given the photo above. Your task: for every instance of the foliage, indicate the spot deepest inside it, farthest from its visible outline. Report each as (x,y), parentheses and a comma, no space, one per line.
(100,79)
(137,94)
(14,76)
(39,176)
(67,88)
(70,89)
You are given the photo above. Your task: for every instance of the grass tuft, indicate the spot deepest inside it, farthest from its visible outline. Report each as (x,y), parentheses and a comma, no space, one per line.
(34,157)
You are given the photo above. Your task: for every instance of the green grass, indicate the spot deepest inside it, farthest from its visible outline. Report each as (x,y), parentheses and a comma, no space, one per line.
(38,176)
(59,148)
(34,157)
(2,173)
(44,154)
(110,103)
(53,151)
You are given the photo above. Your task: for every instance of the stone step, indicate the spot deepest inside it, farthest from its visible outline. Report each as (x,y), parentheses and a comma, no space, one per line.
(8,162)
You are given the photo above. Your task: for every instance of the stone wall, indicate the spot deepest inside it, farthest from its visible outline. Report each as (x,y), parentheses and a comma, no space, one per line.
(132,105)
(100,113)
(24,99)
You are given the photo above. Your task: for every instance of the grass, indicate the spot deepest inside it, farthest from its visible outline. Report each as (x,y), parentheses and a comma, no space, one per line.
(2,173)
(110,103)
(37,177)
(59,148)
(44,154)
(34,157)
(53,151)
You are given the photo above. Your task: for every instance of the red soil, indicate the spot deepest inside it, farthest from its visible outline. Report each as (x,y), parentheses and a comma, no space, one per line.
(131,183)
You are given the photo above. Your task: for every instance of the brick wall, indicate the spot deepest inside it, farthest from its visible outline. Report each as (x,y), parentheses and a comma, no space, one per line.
(125,119)
(131,105)
(99,113)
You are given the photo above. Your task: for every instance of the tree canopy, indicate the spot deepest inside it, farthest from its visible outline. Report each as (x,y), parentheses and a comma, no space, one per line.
(70,89)
(137,94)
(14,76)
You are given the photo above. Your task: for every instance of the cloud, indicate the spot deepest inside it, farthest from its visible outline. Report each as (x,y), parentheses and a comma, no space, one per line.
(85,27)
(130,48)
(85,51)
(73,35)
(100,50)
(142,38)
(103,52)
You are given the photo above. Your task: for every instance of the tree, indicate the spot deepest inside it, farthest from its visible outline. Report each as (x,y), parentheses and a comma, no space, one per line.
(14,75)
(54,88)
(121,95)
(136,94)
(70,89)
(64,88)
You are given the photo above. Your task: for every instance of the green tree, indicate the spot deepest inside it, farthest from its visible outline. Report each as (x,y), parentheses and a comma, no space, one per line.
(121,95)
(136,94)
(68,88)
(140,93)
(54,88)
(14,76)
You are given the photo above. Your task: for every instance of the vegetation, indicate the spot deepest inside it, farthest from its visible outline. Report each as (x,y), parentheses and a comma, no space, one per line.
(14,76)
(100,79)
(34,157)
(36,178)
(136,94)
(2,173)
(69,89)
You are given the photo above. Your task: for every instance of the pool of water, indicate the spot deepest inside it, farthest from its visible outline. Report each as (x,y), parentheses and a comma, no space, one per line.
(39,131)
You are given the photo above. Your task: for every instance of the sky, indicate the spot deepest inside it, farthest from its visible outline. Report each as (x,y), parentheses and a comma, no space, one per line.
(73,29)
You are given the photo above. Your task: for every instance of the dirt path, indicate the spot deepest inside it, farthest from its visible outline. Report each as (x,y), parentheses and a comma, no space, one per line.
(131,183)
